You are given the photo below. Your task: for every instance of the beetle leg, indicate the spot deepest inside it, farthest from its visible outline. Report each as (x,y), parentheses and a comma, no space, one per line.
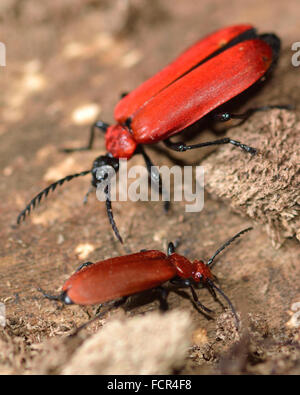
(99,315)
(163,295)
(195,297)
(99,308)
(85,199)
(154,175)
(180,282)
(123,94)
(99,125)
(212,291)
(226,116)
(171,249)
(115,304)
(213,285)
(110,215)
(182,147)
(184,283)
(85,264)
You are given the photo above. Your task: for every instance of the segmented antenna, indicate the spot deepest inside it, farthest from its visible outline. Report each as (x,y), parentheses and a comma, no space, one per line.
(51,297)
(36,200)
(210,261)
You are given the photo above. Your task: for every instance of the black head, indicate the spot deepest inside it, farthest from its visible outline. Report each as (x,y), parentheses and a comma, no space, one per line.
(102,167)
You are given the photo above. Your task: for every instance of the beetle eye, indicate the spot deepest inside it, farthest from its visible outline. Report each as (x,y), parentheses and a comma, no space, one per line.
(198,276)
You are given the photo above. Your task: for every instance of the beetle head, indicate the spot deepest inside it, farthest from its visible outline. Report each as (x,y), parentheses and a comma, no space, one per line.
(201,272)
(65,298)
(104,167)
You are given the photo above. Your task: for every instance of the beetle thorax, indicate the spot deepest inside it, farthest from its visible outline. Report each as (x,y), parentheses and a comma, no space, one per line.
(120,142)
(183,266)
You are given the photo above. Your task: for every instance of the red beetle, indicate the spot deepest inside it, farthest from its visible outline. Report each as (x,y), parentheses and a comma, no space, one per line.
(119,277)
(208,74)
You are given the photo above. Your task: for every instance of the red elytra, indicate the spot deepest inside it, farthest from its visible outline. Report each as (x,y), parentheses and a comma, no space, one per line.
(119,277)
(207,75)
(187,89)
(188,60)
(130,274)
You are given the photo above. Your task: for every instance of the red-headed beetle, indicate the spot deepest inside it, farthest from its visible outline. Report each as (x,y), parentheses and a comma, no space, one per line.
(119,277)
(211,72)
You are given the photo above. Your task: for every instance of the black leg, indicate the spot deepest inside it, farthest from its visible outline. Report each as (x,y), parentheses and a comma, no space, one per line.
(212,285)
(195,297)
(123,94)
(182,147)
(226,116)
(85,264)
(99,125)
(85,199)
(184,283)
(171,249)
(212,291)
(100,315)
(154,176)
(110,215)
(99,308)
(163,296)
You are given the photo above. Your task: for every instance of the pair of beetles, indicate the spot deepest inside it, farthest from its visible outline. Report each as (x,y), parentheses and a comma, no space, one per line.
(208,74)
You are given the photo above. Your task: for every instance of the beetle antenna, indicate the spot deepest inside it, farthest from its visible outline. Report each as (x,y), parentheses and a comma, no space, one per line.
(45,192)
(212,284)
(210,261)
(51,297)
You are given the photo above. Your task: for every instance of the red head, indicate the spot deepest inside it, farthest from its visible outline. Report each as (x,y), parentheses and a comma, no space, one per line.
(201,272)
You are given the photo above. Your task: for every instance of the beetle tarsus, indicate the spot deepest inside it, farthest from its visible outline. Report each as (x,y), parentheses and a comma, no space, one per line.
(244,147)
